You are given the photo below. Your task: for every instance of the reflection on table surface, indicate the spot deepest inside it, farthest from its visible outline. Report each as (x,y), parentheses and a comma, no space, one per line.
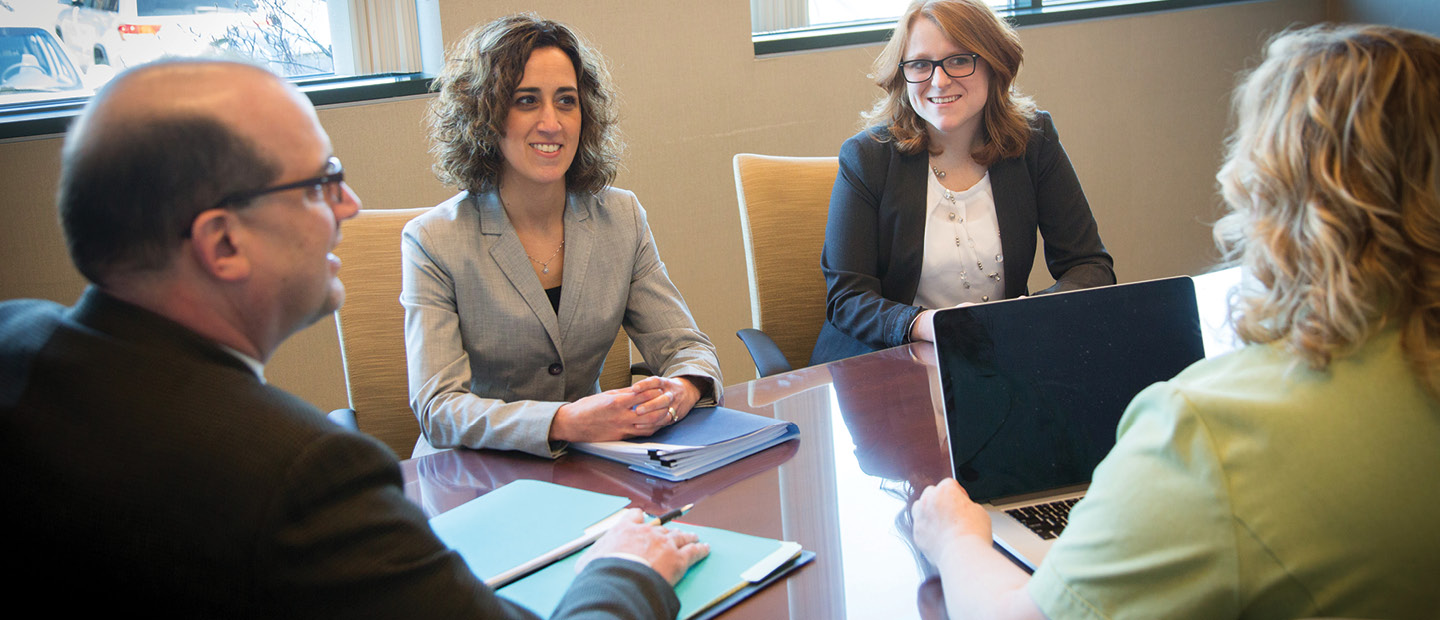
(872,437)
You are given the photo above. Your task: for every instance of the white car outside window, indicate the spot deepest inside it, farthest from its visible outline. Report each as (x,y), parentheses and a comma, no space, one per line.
(124,33)
(33,67)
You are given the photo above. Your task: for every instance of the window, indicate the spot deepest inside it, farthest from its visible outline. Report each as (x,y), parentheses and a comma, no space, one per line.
(782,26)
(776,15)
(59,51)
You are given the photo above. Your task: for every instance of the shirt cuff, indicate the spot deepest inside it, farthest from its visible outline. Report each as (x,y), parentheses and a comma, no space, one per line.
(620,555)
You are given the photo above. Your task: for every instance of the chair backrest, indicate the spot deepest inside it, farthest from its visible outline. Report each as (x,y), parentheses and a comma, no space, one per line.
(784,202)
(616,372)
(371,324)
(372,327)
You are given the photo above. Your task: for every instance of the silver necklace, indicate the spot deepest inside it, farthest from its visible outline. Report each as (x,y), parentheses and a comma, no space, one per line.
(970,240)
(545,266)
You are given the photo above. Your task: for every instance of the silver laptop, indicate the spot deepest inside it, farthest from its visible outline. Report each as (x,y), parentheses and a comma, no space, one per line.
(1034,389)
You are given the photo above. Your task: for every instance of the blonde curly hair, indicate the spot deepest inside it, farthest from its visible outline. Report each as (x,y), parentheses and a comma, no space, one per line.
(1333,185)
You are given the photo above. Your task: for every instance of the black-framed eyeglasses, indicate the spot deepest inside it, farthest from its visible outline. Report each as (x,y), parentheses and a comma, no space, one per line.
(327,185)
(956,66)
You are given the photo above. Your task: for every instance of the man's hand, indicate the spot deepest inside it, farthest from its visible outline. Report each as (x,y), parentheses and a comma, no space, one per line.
(669,552)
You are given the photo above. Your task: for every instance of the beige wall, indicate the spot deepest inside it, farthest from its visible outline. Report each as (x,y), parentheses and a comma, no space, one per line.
(1141,103)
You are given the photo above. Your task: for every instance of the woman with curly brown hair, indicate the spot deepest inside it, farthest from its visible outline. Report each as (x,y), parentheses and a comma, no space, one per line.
(515,288)
(938,200)
(1295,477)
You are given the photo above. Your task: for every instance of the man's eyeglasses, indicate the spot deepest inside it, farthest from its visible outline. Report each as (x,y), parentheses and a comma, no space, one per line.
(327,185)
(957,66)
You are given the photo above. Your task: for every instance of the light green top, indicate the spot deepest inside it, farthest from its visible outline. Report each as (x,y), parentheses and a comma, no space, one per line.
(1253,487)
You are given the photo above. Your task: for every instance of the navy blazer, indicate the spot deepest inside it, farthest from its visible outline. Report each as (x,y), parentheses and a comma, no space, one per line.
(874,239)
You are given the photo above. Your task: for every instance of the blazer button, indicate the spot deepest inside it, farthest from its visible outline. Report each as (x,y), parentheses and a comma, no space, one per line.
(556,368)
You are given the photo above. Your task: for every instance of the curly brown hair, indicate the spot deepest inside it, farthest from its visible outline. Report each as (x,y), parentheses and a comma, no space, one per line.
(1333,186)
(482,70)
(974,26)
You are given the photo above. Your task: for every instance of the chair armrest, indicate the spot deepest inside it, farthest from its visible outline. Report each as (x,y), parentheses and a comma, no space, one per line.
(766,354)
(344,418)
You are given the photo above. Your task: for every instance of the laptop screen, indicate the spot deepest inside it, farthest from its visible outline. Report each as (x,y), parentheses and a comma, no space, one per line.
(1035,387)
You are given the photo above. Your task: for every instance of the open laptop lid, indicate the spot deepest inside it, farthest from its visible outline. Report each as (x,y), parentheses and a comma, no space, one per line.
(1034,388)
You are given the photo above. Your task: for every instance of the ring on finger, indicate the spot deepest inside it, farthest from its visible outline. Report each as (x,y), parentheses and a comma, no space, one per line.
(671,413)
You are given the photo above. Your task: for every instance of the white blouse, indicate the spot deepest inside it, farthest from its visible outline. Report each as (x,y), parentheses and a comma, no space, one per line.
(963,260)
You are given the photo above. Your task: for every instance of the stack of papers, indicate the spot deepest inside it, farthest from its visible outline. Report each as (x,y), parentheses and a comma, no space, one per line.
(708,438)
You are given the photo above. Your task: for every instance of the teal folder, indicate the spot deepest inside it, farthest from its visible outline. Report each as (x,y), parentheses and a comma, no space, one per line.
(737,563)
(513,524)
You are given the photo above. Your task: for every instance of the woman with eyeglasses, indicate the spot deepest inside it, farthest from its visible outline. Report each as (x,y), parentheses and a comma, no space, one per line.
(938,200)
(515,288)
(1294,477)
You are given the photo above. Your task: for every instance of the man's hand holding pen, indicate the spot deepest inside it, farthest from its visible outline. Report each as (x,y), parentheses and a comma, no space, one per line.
(669,552)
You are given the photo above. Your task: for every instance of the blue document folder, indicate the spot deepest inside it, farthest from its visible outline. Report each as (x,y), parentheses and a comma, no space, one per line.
(708,438)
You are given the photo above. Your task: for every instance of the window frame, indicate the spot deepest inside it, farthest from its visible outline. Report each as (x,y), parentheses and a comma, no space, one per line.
(1026,13)
(53,118)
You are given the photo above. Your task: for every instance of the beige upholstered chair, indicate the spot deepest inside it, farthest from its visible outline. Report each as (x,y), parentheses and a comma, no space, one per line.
(784,202)
(372,330)
(372,327)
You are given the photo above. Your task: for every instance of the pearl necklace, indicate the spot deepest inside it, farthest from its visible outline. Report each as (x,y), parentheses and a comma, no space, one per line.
(970,240)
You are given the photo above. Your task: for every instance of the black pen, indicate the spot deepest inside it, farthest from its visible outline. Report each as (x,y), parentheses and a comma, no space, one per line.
(672,515)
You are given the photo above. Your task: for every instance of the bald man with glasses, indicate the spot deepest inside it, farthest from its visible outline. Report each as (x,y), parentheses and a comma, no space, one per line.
(152,468)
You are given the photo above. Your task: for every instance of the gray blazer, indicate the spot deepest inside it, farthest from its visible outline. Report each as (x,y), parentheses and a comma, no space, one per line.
(489,359)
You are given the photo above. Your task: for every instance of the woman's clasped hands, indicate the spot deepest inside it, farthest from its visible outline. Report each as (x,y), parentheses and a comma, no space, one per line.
(639,410)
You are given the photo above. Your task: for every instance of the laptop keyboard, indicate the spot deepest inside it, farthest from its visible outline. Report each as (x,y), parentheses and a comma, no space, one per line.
(1046,520)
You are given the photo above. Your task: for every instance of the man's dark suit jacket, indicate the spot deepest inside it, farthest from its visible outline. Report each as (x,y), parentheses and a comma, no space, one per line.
(875,236)
(152,471)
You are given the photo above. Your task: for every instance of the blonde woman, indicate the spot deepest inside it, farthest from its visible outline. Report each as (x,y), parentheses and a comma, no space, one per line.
(1297,476)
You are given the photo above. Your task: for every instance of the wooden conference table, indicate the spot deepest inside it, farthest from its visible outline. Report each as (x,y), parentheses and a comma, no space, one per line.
(872,438)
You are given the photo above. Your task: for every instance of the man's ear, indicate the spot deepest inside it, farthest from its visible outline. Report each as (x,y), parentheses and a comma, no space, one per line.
(213,244)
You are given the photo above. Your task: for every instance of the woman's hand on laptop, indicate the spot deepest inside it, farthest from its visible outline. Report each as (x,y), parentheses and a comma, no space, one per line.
(954,533)
(946,518)
(922,329)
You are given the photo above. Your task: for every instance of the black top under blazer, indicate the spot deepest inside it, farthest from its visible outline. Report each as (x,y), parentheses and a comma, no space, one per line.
(874,239)
(151,472)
